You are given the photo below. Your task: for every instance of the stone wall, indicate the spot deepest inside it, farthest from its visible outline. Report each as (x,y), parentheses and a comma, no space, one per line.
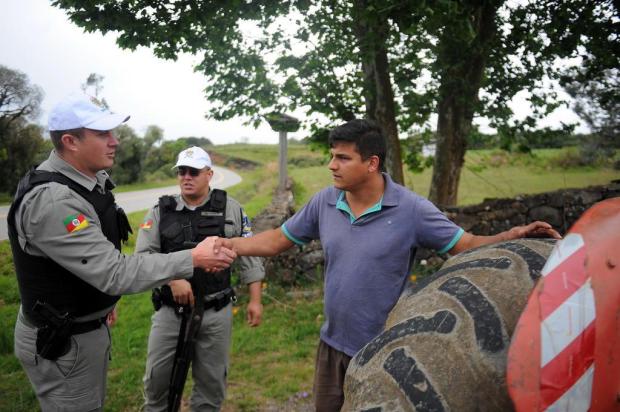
(560,208)
(297,263)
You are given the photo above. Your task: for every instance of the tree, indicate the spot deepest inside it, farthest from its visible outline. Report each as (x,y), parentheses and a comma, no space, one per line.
(482,53)
(94,82)
(153,136)
(21,149)
(237,72)
(160,160)
(20,142)
(129,156)
(18,99)
(598,104)
(402,59)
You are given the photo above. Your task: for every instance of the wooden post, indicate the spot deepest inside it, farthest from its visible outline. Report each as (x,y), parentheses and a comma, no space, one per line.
(282,161)
(282,123)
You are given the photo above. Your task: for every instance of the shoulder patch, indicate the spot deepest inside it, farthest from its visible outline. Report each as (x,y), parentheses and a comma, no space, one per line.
(246,225)
(146,224)
(75,222)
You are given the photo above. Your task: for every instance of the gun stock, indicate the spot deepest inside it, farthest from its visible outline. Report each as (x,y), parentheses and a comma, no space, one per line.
(190,326)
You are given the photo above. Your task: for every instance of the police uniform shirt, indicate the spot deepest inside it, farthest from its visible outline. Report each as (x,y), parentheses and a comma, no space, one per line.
(56,222)
(237,224)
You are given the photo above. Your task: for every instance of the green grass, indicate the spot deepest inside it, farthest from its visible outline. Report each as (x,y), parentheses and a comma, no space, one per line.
(496,174)
(273,362)
(5,198)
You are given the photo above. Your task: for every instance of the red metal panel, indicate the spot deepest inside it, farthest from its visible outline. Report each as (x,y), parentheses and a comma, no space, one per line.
(565,351)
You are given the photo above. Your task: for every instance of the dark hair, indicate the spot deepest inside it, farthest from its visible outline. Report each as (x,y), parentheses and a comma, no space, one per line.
(366,135)
(56,136)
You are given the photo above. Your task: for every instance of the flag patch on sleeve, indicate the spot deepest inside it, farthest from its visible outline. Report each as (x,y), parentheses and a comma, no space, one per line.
(146,224)
(246,225)
(76,222)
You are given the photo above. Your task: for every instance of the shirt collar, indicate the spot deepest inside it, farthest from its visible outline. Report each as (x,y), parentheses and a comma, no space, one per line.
(390,193)
(181,202)
(59,164)
(342,204)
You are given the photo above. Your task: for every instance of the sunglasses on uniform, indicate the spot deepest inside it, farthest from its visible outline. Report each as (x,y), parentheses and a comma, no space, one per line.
(182,170)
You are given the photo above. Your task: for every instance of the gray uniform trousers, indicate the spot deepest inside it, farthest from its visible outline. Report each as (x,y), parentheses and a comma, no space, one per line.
(209,363)
(75,381)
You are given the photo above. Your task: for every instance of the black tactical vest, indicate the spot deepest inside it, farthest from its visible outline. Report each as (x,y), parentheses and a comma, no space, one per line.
(183,229)
(40,278)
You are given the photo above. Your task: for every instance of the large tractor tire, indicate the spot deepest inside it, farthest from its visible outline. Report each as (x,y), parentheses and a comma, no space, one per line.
(445,343)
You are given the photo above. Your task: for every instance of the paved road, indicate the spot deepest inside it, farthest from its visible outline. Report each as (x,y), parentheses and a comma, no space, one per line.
(144,199)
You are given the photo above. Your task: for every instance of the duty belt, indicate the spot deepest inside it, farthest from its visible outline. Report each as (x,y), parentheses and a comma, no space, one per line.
(219,300)
(77,328)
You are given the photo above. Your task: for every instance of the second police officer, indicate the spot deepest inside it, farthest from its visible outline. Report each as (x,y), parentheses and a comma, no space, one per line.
(175,223)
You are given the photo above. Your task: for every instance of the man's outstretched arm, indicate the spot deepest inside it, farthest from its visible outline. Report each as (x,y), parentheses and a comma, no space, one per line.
(534,229)
(268,243)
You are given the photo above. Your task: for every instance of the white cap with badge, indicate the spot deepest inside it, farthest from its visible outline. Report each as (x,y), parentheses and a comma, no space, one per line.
(194,157)
(79,110)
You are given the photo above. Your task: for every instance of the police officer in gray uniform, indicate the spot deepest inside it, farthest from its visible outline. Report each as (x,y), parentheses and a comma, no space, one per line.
(65,232)
(172,224)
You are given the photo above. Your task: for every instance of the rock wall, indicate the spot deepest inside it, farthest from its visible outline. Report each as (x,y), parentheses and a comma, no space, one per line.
(297,263)
(560,208)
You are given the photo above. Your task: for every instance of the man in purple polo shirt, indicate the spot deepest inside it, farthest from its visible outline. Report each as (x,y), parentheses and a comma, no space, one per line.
(369,228)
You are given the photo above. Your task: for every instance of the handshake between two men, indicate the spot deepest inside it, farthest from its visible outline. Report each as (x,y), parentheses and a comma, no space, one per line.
(212,256)
(217,253)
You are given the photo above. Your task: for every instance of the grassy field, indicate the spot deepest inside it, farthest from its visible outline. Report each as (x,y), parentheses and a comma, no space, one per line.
(271,364)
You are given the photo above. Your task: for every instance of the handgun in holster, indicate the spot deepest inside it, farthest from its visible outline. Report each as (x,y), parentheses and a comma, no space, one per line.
(54,337)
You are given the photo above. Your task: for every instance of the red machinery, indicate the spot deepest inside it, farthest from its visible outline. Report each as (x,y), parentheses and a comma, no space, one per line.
(565,351)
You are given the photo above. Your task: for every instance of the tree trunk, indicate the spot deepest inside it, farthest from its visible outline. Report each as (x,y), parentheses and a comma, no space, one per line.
(372,30)
(458,98)
(452,130)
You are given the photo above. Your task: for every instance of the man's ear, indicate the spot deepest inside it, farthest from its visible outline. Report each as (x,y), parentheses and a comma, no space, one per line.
(373,164)
(68,142)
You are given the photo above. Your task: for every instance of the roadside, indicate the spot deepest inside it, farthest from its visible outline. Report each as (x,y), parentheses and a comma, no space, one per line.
(133,201)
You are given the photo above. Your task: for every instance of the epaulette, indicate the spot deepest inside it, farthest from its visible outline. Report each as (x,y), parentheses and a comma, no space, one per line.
(167,203)
(218,201)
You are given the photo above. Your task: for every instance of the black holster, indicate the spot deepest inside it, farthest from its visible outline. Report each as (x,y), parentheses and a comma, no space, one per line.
(220,300)
(163,297)
(53,343)
(54,337)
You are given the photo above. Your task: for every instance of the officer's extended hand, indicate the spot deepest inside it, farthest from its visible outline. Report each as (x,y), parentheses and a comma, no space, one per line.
(255,312)
(222,242)
(204,256)
(182,292)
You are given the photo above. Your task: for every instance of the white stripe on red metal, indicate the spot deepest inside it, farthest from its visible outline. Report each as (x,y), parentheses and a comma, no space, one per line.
(561,283)
(566,323)
(568,367)
(578,398)
(563,249)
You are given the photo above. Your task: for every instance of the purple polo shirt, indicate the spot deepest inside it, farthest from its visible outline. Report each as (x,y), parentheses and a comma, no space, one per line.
(368,259)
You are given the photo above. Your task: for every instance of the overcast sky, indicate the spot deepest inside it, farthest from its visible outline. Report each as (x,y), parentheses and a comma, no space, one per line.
(39,40)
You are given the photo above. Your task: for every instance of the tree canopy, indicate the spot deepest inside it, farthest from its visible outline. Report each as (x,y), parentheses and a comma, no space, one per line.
(392,61)
(20,141)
